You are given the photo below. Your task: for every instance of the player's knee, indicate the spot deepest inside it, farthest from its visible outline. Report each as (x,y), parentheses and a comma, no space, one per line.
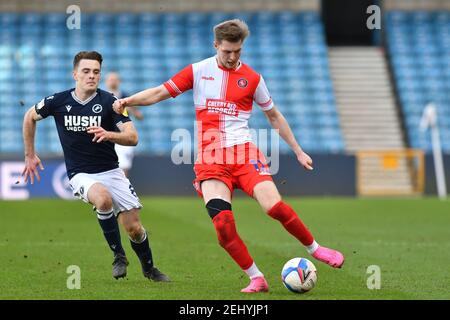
(216,206)
(103,202)
(135,231)
(269,203)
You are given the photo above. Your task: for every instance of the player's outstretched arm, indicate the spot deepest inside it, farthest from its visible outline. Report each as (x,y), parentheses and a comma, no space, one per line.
(279,122)
(32,161)
(127,136)
(143,98)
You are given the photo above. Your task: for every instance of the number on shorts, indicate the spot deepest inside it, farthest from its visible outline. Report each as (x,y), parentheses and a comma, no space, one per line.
(132,191)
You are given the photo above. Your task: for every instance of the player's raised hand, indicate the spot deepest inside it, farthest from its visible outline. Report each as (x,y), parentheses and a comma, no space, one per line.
(305,160)
(31,168)
(99,133)
(119,106)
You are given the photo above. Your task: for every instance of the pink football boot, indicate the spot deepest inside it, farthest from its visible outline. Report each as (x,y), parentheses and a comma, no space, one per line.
(257,284)
(329,256)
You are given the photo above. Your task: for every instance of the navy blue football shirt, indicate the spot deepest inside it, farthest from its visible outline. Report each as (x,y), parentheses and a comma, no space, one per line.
(73,117)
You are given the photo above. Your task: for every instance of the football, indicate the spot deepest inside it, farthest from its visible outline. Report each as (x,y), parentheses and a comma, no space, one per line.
(299,275)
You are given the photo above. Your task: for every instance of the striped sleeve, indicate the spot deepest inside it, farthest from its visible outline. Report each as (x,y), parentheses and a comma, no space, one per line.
(262,96)
(44,108)
(181,82)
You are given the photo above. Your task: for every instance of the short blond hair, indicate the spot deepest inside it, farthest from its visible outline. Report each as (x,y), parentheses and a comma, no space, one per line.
(231,30)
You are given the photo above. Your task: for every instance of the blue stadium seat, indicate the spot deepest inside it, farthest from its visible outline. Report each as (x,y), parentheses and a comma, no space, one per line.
(6,50)
(8,19)
(55,20)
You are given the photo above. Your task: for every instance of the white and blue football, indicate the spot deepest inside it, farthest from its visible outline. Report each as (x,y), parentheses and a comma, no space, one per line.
(299,275)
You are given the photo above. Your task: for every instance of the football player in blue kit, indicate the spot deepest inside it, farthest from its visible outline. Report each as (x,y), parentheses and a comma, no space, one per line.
(88,128)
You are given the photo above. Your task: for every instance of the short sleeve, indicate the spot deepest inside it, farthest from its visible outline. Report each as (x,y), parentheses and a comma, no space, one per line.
(262,96)
(44,108)
(181,82)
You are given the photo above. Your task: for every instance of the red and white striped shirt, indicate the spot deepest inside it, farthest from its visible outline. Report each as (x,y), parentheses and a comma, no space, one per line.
(223,100)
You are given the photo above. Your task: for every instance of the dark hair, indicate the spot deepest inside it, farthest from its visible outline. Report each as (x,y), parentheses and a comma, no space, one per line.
(90,55)
(232,30)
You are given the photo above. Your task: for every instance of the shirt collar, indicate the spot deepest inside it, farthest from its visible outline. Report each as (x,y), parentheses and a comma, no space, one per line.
(85,101)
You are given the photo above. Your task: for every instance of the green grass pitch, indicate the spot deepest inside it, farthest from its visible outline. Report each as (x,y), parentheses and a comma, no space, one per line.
(409,239)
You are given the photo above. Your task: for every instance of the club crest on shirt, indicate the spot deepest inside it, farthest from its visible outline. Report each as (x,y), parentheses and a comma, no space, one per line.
(97,108)
(242,83)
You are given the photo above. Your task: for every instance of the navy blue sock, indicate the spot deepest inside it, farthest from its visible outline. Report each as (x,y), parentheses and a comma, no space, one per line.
(111,231)
(144,253)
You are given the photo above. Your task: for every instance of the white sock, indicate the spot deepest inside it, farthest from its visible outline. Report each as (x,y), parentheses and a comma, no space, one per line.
(253,272)
(143,237)
(105,215)
(312,248)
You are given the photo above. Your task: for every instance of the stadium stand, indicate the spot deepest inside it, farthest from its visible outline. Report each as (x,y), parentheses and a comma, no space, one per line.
(419,48)
(288,48)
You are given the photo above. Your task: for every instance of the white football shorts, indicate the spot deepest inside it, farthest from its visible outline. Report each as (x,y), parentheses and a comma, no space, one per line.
(122,192)
(125,155)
